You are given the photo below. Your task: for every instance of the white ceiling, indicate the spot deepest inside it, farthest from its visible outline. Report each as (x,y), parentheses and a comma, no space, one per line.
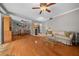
(25,10)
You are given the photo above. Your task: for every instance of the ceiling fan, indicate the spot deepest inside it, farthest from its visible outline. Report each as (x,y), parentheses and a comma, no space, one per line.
(44,7)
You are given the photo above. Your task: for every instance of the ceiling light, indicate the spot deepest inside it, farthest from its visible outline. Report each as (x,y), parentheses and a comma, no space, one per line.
(43,8)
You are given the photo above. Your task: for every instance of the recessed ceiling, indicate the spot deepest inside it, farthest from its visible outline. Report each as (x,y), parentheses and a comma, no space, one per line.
(41,19)
(25,10)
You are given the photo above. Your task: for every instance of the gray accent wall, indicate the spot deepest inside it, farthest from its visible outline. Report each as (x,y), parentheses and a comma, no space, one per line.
(18,26)
(67,22)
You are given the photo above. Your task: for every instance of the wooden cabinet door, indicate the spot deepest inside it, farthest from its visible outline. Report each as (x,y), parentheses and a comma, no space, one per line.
(7,32)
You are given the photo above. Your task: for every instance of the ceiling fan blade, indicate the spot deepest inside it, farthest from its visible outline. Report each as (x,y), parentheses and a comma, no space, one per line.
(48,10)
(50,4)
(36,8)
(43,4)
(40,12)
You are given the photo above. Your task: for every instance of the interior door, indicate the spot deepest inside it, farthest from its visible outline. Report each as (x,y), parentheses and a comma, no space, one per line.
(36,31)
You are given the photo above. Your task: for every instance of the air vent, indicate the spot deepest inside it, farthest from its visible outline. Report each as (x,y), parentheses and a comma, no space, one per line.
(50,18)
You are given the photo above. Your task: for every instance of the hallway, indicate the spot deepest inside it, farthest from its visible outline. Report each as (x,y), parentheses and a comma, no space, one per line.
(29,45)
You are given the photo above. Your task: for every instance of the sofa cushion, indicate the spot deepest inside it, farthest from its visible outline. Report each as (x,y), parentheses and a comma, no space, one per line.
(67,34)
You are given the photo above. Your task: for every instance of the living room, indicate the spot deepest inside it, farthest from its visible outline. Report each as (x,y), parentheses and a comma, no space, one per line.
(35,30)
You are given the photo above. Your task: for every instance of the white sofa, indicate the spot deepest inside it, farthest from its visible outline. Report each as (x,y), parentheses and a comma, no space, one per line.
(60,37)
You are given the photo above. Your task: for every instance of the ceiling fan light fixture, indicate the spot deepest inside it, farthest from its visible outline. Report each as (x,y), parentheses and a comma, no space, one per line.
(43,8)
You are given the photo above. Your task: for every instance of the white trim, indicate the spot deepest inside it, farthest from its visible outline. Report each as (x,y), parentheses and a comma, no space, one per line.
(66,12)
(2,10)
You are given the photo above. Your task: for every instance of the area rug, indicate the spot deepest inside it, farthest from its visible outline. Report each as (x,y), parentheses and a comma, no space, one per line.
(3,48)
